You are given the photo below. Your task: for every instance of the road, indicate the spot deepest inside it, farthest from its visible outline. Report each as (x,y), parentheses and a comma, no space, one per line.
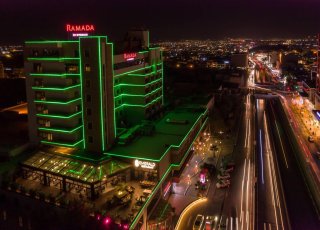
(271,210)
(220,203)
(302,133)
(238,210)
(300,206)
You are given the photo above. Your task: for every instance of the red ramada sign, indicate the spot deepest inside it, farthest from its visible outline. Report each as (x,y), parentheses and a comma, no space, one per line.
(129,55)
(80,28)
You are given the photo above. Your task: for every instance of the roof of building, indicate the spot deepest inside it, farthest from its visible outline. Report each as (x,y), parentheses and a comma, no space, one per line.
(74,169)
(169,131)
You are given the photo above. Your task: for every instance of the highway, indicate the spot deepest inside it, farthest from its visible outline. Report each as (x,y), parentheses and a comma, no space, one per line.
(271,210)
(300,206)
(238,208)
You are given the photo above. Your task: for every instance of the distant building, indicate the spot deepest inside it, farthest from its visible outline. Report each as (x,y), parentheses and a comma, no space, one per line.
(1,70)
(239,60)
(218,64)
(317,95)
(275,59)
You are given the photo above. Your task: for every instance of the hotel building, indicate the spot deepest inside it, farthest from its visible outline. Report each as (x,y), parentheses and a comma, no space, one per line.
(96,109)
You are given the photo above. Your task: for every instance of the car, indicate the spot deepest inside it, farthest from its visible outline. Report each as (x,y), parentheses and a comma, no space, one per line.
(223,184)
(209,223)
(311,139)
(197,225)
(223,176)
(318,155)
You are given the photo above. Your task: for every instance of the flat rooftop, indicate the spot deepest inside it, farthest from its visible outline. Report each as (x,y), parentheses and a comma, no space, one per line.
(169,131)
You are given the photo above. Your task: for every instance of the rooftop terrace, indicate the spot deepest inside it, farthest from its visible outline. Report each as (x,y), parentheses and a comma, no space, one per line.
(169,131)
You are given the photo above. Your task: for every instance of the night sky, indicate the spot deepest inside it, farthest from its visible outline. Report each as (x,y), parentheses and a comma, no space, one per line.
(167,19)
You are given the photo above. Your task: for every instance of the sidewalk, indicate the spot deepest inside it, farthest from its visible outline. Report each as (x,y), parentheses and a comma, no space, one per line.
(185,191)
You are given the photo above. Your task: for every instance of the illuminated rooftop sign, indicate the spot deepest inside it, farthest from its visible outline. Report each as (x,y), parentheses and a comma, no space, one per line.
(144,164)
(80,28)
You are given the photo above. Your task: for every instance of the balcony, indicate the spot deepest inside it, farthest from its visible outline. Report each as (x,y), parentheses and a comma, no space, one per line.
(60,129)
(54,74)
(64,143)
(54,59)
(55,88)
(58,116)
(43,100)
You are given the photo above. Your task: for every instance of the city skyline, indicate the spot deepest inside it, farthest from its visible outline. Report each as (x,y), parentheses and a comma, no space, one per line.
(189,19)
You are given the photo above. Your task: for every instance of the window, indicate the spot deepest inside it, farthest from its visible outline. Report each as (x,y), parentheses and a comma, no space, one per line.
(90,125)
(88,83)
(76,53)
(77,108)
(71,68)
(86,53)
(88,98)
(49,137)
(87,68)
(38,82)
(37,67)
(90,138)
(88,111)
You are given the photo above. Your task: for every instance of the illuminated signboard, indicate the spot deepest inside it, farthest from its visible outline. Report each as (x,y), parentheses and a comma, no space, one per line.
(129,56)
(80,28)
(79,34)
(144,164)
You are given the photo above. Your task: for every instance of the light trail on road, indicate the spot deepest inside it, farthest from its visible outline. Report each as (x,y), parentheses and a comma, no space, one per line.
(273,178)
(262,176)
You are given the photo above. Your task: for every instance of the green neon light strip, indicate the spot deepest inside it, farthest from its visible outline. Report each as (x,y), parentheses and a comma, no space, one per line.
(77,172)
(52,58)
(162,82)
(141,74)
(101,95)
(126,84)
(81,94)
(132,71)
(57,102)
(145,51)
(60,130)
(58,116)
(89,175)
(137,105)
(114,111)
(53,74)
(55,88)
(138,95)
(155,190)
(61,144)
(100,173)
(47,42)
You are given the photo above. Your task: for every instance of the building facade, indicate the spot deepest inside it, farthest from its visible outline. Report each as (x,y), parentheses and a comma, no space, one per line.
(81,93)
